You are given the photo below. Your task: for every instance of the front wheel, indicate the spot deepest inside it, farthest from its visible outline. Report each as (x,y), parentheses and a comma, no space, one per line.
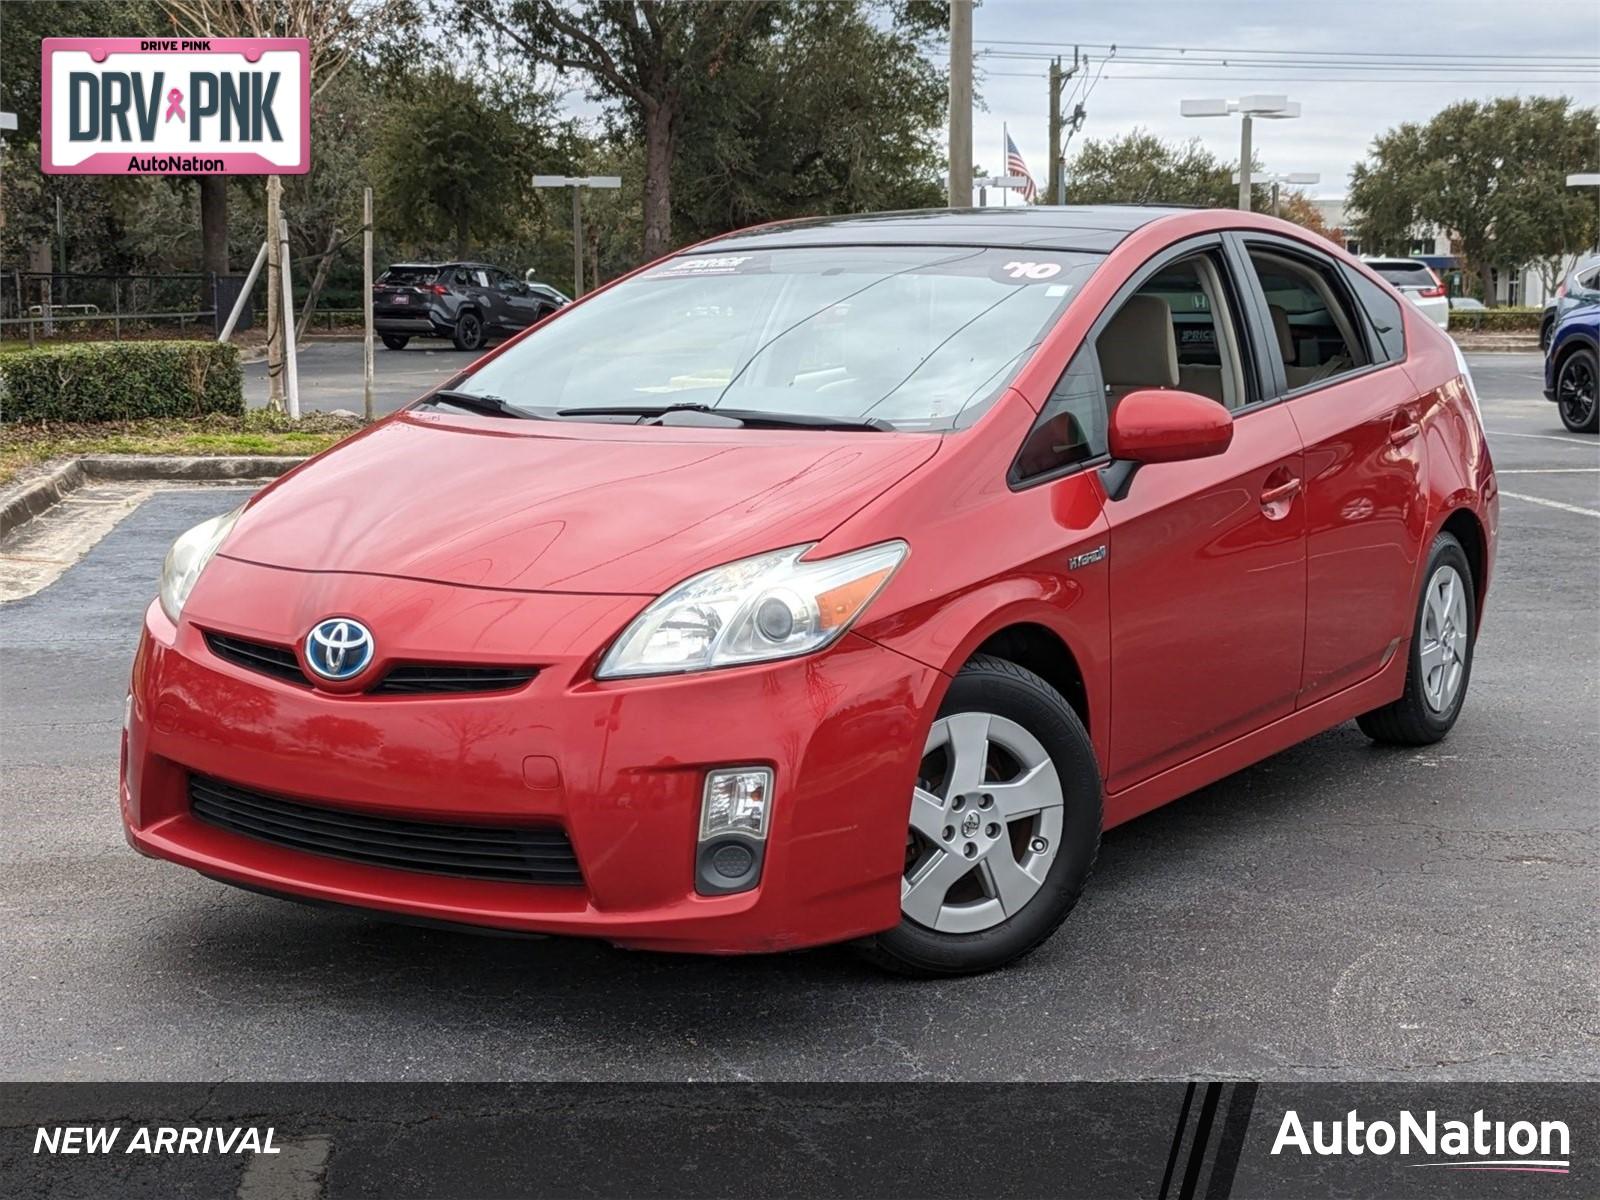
(1575,391)
(469,332)
(1004,826)
(1442,640)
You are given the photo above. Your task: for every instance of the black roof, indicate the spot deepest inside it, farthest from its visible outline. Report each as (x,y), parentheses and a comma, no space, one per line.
(1092,227)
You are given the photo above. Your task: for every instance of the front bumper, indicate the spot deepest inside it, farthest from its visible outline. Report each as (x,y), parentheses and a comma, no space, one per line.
(619,766)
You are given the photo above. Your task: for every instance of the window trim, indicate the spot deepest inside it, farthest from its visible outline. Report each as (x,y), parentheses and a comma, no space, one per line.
(1251,371)
(1267,338)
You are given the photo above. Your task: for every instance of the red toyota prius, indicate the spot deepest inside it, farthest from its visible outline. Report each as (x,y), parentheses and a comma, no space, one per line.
(835,580)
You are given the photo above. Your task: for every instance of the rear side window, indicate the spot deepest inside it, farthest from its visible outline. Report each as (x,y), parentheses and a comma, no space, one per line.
(1383,310)
(1315,325)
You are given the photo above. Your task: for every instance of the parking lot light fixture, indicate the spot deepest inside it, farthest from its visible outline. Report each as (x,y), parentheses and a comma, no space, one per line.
(1270,107)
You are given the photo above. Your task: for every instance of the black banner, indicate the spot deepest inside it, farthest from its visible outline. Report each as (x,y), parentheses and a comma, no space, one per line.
(1173,1141)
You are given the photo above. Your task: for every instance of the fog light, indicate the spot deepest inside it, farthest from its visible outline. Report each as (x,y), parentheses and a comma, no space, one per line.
(736,800)
(734,813)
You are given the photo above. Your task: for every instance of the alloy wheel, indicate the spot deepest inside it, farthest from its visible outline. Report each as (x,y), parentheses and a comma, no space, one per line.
(1445,630)
(1575,392)
(986,821)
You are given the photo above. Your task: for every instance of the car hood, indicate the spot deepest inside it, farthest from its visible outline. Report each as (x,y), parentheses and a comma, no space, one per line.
(564,507)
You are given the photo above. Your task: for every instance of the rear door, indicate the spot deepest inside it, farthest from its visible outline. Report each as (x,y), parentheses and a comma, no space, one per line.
(520,306)
(1360,418)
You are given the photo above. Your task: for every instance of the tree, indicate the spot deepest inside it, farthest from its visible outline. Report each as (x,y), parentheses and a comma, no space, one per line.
(333,28)
(450,157)
(1140,168)
(646,57)
(1491,174)
(1297,207)
(830,113)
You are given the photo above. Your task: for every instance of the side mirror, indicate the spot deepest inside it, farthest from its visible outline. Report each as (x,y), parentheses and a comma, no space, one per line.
(1159,426)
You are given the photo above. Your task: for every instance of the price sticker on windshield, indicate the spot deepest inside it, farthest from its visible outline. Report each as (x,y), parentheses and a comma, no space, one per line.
(1033,271)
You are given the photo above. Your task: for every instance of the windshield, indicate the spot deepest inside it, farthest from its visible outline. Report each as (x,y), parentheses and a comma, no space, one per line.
(915,336)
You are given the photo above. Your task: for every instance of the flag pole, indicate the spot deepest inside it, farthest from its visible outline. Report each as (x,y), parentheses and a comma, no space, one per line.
(1005,162)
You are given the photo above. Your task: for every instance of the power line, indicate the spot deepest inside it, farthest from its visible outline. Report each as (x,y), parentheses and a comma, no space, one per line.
(1481,80)
(1189,50)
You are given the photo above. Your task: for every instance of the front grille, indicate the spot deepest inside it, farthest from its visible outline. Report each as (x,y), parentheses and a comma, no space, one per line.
(516,854)
(407,679)
(417,678)
(277,661)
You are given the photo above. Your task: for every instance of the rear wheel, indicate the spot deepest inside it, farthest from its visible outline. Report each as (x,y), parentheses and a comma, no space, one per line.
(395,341)
(469,332)
(1442,639)
(1004,826)
(1575,392)
(1547,325)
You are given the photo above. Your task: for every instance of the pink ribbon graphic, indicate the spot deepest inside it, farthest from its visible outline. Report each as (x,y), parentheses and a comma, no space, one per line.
(175,105)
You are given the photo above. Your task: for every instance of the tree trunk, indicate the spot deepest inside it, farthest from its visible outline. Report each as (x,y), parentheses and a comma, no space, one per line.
(659,132)
(461,232)
(317,280)
(214,224)
(1486,280)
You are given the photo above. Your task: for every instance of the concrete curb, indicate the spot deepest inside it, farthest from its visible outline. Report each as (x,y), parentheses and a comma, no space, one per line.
(21,502)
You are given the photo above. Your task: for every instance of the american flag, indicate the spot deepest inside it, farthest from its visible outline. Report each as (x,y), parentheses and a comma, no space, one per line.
(1015,166)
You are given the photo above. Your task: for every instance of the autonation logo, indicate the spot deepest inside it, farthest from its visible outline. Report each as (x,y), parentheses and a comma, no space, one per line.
(1476,1145)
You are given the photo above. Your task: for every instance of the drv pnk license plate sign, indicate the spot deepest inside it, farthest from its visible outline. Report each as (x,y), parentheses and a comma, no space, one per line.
(176,106)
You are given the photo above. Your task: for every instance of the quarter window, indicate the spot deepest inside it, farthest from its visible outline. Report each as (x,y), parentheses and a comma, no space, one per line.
(1314,326)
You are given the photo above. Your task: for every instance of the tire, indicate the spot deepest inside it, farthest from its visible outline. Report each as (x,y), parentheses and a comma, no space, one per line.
(1064,765)
(469,332)
(1419,717)
(1547,326)
(395,341)
(1577,397)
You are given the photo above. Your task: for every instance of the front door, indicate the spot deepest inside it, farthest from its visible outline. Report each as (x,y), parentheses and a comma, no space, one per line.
(1207,558)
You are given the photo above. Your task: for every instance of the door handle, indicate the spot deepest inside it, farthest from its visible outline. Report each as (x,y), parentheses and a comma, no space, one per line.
(1280,493)
(1404,429)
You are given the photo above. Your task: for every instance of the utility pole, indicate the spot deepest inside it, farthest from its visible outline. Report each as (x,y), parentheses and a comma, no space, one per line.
(1058,164)
(577,183)
(960,104)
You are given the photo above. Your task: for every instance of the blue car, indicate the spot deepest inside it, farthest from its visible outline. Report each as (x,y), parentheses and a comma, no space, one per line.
(1571,368)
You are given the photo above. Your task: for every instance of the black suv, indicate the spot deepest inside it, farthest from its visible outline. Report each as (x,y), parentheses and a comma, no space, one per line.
(465,302)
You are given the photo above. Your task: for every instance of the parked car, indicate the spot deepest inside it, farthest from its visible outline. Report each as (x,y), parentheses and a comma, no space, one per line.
(1581,286)
(1572,367)
(832,580)
(466,302)
(1467,304)
(1417,282)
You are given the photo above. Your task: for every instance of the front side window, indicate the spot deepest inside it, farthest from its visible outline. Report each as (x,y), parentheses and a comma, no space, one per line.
(923,337)
(1313,324)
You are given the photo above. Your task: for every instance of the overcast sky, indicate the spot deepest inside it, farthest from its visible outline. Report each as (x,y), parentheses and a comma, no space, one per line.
(1533,43)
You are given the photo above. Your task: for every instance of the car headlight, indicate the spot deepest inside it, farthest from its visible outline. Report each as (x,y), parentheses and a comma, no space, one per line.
(756,609)
(188,557)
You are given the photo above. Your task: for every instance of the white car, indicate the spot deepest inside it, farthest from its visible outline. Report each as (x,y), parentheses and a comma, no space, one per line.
(1417,282)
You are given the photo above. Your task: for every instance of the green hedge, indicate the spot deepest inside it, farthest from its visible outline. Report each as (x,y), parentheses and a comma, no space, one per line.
(1496,320)
(120,381)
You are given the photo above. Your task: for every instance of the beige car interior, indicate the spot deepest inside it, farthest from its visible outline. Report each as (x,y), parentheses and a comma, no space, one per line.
(1139,346)
(1289,350)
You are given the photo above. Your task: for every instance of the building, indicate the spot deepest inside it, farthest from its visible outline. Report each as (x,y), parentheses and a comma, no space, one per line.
(1532,286)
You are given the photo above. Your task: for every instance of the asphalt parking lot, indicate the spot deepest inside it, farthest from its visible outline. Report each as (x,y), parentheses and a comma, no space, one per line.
(1337,912)
(331,376)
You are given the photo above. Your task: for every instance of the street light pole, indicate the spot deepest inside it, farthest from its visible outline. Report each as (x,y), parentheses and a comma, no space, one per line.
(1273,108)
(1278,180)
(577,183)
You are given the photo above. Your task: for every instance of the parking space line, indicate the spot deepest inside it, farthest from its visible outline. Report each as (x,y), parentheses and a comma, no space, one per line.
(1543,437)
(297,1172)
(1571,508)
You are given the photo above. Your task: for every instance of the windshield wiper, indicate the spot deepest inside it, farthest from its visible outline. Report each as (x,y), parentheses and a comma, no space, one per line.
(492,406)
(744,415)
